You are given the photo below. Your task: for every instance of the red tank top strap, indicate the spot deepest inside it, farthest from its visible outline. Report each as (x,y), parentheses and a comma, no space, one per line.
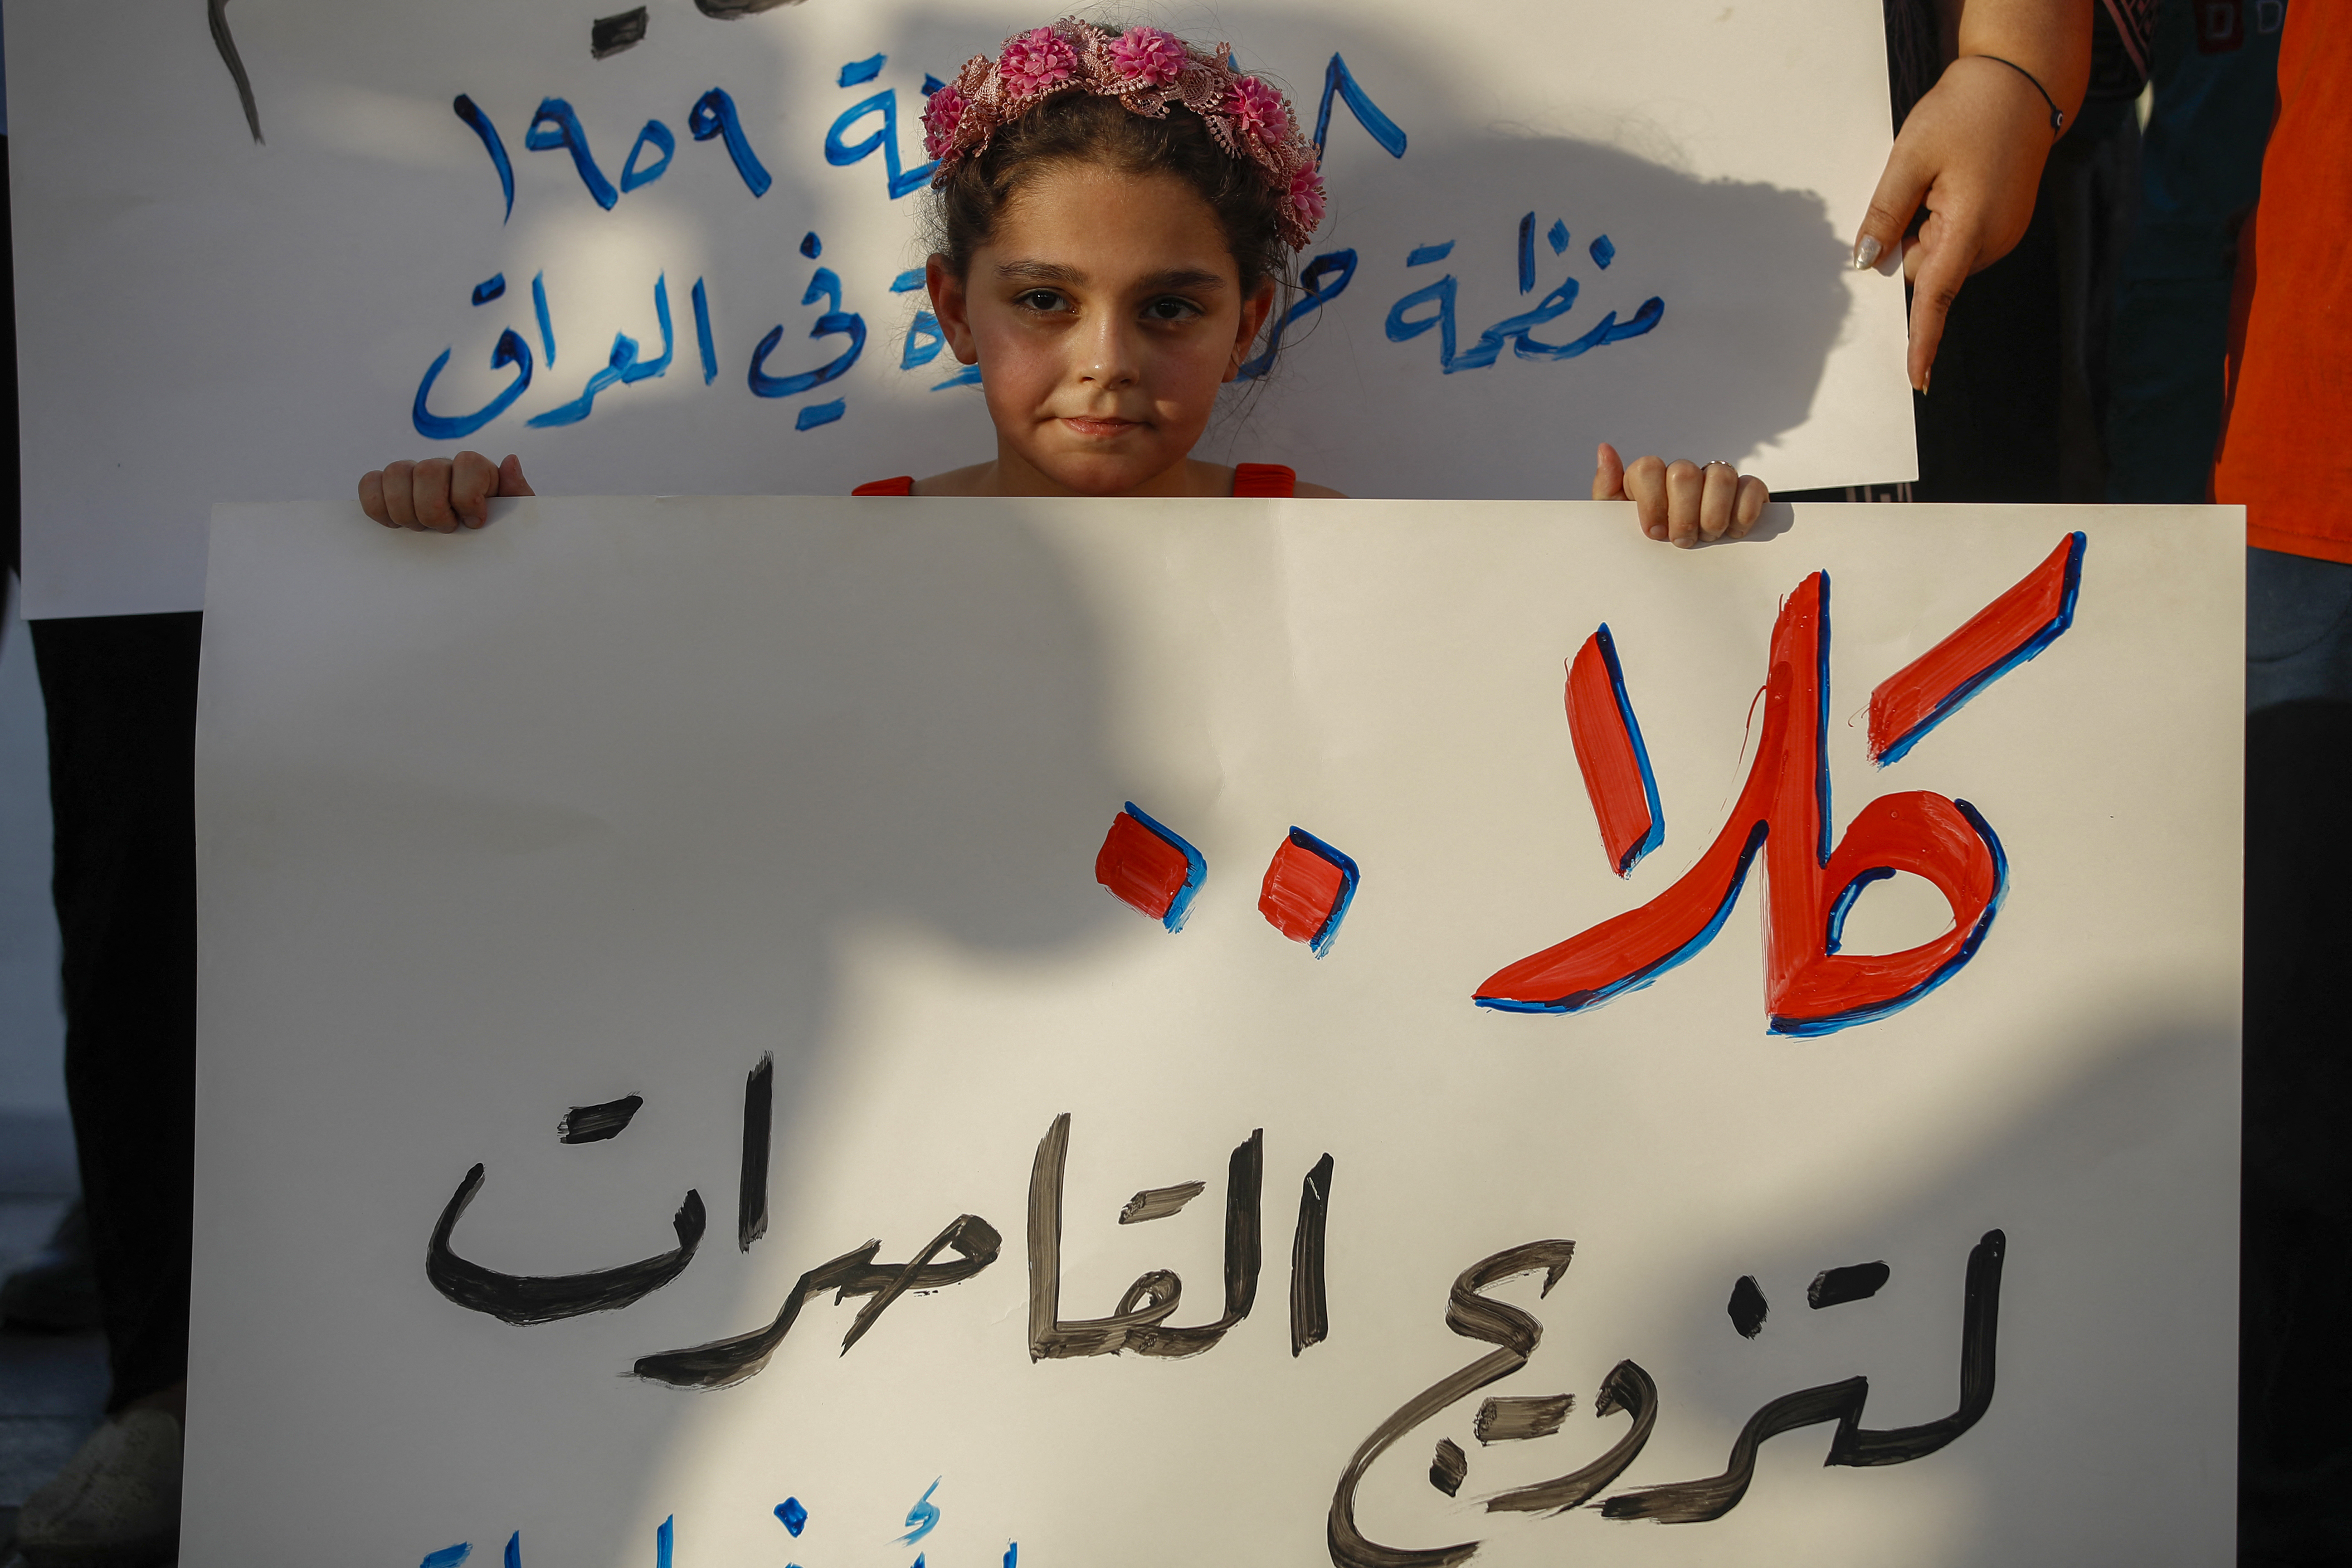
(1249,479)
(1264,479)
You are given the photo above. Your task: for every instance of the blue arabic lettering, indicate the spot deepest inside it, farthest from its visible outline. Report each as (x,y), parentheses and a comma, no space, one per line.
(1516,330)
(623,367)
(1318,294)
(834,322)
(472,115)
(511,350)
(841,154)
(714,116)
(1337,79)
(554,126)
(658,135)
(702,339)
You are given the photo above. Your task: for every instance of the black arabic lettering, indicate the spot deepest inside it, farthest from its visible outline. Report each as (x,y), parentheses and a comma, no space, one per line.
(1691,1502)
(723,1362)
(1310,1310)
(1628,1388)
(759,1119)
(1474,1316)
(543,1298)
(1138,1322)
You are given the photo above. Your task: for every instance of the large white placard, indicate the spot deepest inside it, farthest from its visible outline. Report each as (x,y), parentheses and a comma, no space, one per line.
(619,798)
(201,318)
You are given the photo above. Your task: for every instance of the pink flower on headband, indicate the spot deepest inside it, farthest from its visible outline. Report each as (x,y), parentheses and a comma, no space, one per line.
(1148,71)
(1256,108)
(1306,196)
(941,115)
(1148,55)
(1037,60)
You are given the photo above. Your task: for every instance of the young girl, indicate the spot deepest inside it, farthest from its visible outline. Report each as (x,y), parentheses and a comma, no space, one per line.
(1113,213)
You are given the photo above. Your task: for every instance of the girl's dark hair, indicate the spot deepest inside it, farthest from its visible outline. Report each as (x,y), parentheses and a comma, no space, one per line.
(1082,129)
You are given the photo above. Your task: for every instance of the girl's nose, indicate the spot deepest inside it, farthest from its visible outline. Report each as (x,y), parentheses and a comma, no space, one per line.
(1112,361)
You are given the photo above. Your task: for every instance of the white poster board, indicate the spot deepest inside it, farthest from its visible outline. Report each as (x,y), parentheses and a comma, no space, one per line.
(203,318)
(620,799)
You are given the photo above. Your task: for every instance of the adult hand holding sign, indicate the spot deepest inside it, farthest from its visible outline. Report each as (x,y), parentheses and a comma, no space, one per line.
(1971,152)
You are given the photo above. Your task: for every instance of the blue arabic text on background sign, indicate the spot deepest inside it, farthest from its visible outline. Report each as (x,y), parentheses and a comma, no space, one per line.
(556,126)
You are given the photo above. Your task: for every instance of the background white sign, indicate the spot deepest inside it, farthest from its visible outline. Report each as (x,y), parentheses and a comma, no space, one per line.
(201,318)
(618,797)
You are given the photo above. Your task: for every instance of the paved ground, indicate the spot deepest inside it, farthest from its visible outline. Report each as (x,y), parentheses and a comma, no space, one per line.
(50,1387)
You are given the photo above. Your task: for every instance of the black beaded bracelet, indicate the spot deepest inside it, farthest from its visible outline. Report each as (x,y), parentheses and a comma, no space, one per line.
(2057,115)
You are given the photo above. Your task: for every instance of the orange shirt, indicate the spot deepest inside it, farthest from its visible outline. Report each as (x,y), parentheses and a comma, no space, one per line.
(2286,433)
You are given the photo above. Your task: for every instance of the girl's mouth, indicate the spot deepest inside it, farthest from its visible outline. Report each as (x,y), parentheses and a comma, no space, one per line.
(1099,428)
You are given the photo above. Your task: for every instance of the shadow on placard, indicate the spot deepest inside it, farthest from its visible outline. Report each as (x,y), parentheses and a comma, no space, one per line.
(2080,1298)
(1726,369)
(901,725)
(930,753)
(1733,364)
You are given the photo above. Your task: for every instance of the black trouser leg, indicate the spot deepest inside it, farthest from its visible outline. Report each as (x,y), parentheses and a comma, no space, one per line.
(2294,1391)
(1989,426)
(121,698)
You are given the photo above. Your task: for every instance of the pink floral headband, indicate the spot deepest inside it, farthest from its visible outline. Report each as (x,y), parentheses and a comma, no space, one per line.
(1147,71)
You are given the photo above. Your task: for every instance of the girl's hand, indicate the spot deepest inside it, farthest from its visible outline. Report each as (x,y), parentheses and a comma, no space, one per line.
(440,494)
(1682,500)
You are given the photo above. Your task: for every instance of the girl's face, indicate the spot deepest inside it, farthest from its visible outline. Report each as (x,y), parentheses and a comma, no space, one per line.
(1104,315)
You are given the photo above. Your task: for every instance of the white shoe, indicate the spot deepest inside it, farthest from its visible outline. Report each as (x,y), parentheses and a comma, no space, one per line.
(115,1505)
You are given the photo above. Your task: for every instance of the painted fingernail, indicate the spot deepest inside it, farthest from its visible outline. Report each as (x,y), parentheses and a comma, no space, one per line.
(1865,253)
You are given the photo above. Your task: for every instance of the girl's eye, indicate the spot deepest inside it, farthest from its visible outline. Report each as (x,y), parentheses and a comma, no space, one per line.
(1170,309)
(1041,300)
